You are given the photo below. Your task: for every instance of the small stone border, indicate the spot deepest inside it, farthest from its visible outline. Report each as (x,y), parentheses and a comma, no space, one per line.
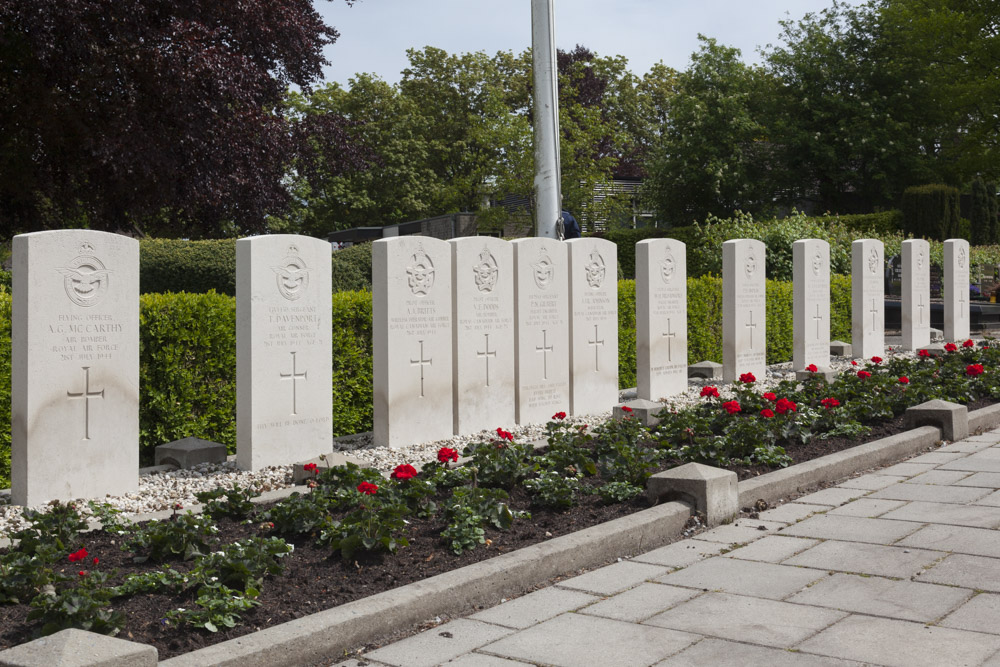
(335,631)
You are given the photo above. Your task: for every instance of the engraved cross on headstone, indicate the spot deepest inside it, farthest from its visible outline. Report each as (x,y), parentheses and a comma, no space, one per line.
(962,304)
(819,319)
(86,395)
(874,312)
(486,354)
(750,325)
(597,344)
(669,335)
(294,377)
(921,307)
(421,362)
(545,354)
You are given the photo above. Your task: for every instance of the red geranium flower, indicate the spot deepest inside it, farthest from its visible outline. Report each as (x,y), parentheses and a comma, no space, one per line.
(82,573)
(96,560)
(876,360)
(904,380)
(968,343)
(854,363)
(732,407)
(404,471)
(709,392)
(505,435)
(78,555)
(311,467)
(446,453)
(923,353)
(864,374)
(626,408)
(367,488)
(972,370)
(829,403)
(950,347)
(559,415)
(784,405)
(769,396)
(812,368)
(747,378)
(766,413)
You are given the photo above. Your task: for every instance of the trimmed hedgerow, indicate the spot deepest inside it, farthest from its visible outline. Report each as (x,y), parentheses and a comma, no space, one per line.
(352,268)
(352,362)
(626,333)
(168,265)
(4,388)
(626,239)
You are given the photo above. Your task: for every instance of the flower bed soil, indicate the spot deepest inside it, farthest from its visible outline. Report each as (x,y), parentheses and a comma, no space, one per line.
(316,579)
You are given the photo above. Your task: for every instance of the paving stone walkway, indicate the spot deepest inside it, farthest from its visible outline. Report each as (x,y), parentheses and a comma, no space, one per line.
(896,567)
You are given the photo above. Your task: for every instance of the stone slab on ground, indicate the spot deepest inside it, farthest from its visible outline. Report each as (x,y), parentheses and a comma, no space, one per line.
(791,512)
(680,554)
(188,452)
(643,410)
(743,577)
(535,607)
(849,528)
(480,660)
(937,457)
(741,531)
(909,469)
(708,370)
(831,497)
(641,602)
(437,645)
(990,480)
(841,349)
(747,619)
(77,648)
(900,643)
(870,482)
(975,516)
(936,493)
(772,549)
(905,600)
(867,508)
(715,652)
(614,578)
(979,614)
(973,572)
(939,477)
(958,539)
(863,558)
(571,640)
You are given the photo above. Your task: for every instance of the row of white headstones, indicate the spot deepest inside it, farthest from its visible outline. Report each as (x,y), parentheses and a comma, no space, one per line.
(468,334)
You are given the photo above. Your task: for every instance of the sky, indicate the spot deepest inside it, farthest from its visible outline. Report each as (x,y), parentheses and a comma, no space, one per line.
(375,34)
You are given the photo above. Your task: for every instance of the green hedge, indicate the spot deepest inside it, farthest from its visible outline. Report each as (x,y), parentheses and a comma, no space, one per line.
(626,239)
(167,265)
(352,268)
(884,222)
(4,389)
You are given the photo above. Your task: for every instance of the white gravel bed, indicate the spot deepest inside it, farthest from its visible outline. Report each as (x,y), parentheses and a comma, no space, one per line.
(162,490)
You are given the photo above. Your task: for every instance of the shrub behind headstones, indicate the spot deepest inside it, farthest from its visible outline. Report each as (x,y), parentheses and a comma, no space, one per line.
(931,211)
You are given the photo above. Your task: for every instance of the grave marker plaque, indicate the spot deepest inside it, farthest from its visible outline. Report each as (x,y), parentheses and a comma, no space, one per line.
(283,350)
(660,318)
(811,304)
(483,312)
(744,309)
(956,290)
(868,298)
(541,317)
(593,293)
(412,340)
(916,294)
(75,366)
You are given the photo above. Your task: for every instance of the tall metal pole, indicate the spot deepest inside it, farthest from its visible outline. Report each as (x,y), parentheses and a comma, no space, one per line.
(546,115)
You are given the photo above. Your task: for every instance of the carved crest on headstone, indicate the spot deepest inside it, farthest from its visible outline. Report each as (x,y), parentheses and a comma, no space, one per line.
(920,259)
(817,262)
(292,275)
(544,270)
(420,273)
(750,264)
(485,271)
(595,270)
(961,257)
(85,278)
(873,261)
(668,267)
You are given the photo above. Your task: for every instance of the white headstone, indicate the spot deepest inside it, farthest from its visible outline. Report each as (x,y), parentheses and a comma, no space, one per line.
(412,340)
(284,379)
(810,303)
(593,325)
(483,312)
(744,309)
(956,290)
(660,318)
(541,320)
(916,294)
(867,298)
(75,366)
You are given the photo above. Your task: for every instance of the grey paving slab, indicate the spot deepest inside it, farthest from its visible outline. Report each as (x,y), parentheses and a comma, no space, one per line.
(744,577)
(900,643)
(741,531)
(905,600)
(992,662)
(680,554)
(578,640)
(851,528)
(747,619)
(980,614)
(535,607)
(867,507)
(972,464)
(772,549)
(987,454)
(905,469)
(973,572)
(480,660)
(716,652)
(959,539)
(791,512)
(439,644)
(976,516)
(866,558)
(933,493)
(989,480)
(353,662)
(939,477)
(614,578)
(832,497)
(970,445)
(991,500)
(936,457)
(871,482)
(641,602)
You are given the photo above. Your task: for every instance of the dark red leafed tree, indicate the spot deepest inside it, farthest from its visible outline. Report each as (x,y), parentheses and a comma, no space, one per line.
(162,116)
